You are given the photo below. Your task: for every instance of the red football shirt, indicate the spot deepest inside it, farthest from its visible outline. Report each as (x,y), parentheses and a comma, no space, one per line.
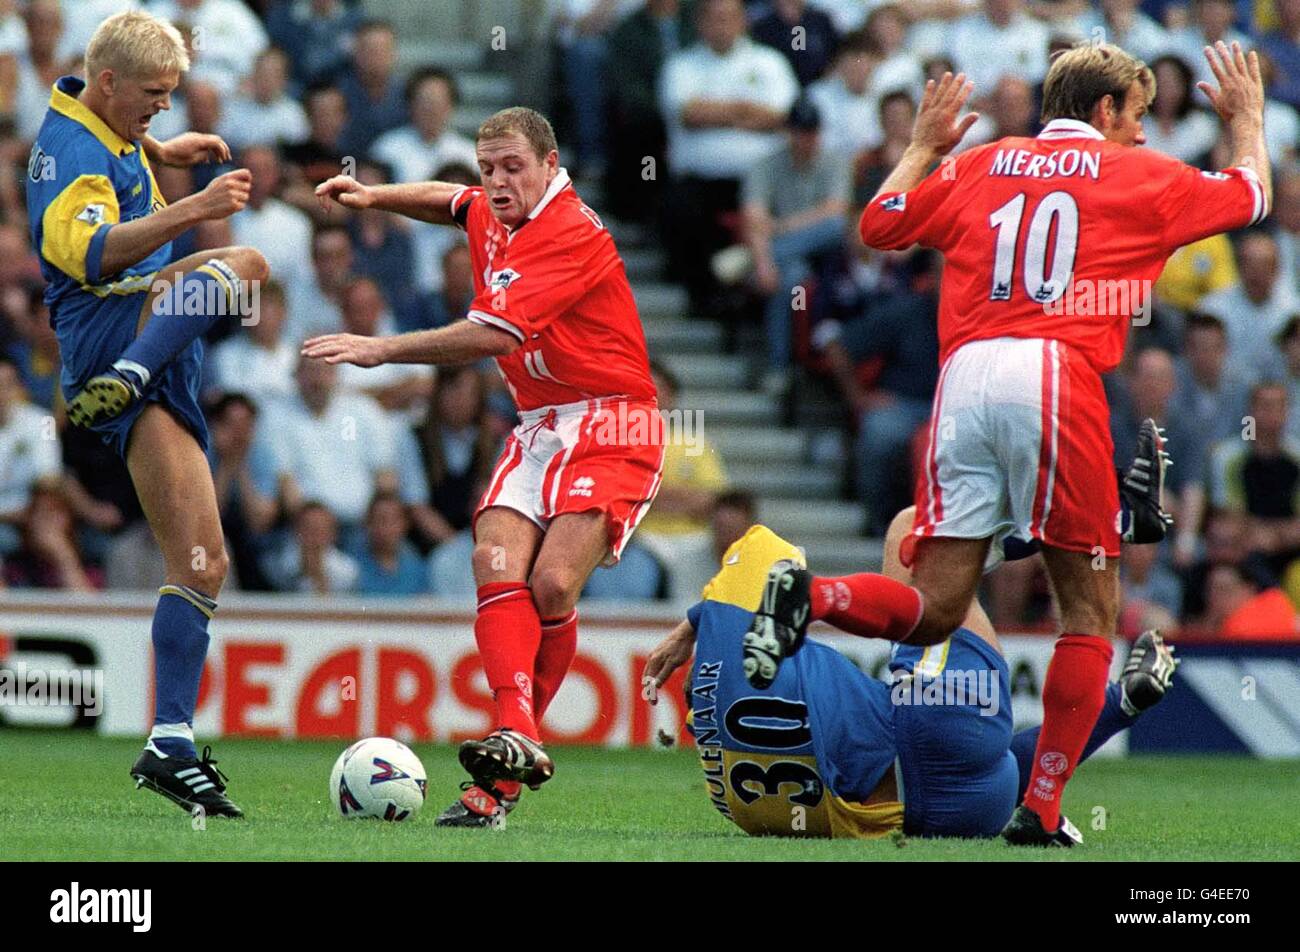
(1059,236)
(557,284)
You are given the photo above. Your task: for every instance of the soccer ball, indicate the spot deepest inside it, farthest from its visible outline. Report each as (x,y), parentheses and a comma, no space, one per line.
(378,777)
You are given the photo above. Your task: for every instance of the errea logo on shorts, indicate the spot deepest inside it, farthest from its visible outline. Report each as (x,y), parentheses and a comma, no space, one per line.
(895,204)
(582,486)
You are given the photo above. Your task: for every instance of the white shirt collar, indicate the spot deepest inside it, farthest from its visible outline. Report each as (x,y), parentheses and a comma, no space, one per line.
(558,184)
(1069,129)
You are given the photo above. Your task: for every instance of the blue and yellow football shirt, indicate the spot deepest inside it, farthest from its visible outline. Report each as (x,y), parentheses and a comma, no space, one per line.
(82,179)
(799,757)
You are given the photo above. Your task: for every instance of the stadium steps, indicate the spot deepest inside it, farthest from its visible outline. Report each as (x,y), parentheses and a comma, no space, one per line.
(785,480)
(722,407)
(709,370)
(462,57)
(667,336)
(797,498)
(801,521)
(756,443)
(657,299)
(643,265)
(843,556)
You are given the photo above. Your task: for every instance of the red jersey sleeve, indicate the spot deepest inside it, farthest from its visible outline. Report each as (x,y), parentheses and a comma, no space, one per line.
(893,221)
(1195,204)
(460,205)
(549,266)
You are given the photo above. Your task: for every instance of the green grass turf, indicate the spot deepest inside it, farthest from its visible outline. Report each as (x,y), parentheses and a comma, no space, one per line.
(66,796)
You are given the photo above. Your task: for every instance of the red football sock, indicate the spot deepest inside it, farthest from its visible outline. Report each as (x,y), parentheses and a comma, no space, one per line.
(559,644)
(1074,693)
(508,633)
(867,604)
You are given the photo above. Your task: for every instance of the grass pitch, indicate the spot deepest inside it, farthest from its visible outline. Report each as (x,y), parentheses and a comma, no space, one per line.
(68,796)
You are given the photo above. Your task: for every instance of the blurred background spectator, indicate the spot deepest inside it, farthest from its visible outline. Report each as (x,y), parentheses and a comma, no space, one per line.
(387,563)
(725,100)
(794,204)
(311,560)
(29,456)
(1257,474)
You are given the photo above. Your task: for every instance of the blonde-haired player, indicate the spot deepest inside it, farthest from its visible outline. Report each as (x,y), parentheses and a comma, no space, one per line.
(129,321)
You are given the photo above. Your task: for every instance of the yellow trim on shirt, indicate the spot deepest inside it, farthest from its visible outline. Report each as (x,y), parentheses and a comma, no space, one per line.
(66,228)
(79,112)
(131,284)
(745,567)
(933,660)
(862,822)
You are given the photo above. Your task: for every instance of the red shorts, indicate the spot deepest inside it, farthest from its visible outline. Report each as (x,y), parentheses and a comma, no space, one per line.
(1020,446)
(604,454)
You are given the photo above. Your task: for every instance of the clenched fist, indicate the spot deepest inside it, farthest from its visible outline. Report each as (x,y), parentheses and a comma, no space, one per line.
(226,194)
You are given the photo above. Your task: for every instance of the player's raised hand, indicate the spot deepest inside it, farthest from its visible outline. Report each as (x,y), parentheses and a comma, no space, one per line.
(226,194)
(194,148)
(1241,86)
(346,349)
(937,127)
(345,190)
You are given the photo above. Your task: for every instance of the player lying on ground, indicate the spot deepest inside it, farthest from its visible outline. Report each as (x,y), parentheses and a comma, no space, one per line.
(129,322)
(552,304)
(1051,245)
(814,752)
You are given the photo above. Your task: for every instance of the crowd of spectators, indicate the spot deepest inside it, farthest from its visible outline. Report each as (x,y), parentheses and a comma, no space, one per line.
(742,136)
(330,479)
(774,121)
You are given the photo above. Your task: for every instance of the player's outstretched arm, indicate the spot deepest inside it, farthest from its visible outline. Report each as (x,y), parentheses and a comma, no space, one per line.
(458,343)
(1239,101)
(669,655)
(935,133)
(423,201)
(186,149)
(129,242)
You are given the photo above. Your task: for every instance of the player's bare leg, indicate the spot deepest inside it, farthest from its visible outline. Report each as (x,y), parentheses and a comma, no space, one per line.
(228,269)
(947,573)
(945,576)
(1074,691)
(173,480)
(508,633)
(575,544)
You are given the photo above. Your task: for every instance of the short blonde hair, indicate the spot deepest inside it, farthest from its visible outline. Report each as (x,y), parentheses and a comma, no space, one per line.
(136,44)
(1081,76)
(529,123)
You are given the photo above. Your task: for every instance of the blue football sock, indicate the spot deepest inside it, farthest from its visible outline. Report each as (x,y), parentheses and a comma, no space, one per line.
(181,315)
(1110,722)
(180,644)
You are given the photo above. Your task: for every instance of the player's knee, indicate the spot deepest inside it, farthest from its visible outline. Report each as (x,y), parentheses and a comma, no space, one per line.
(939,620)
(555,591)
(492,563)
(207,569)
(247,262)
(251,264)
